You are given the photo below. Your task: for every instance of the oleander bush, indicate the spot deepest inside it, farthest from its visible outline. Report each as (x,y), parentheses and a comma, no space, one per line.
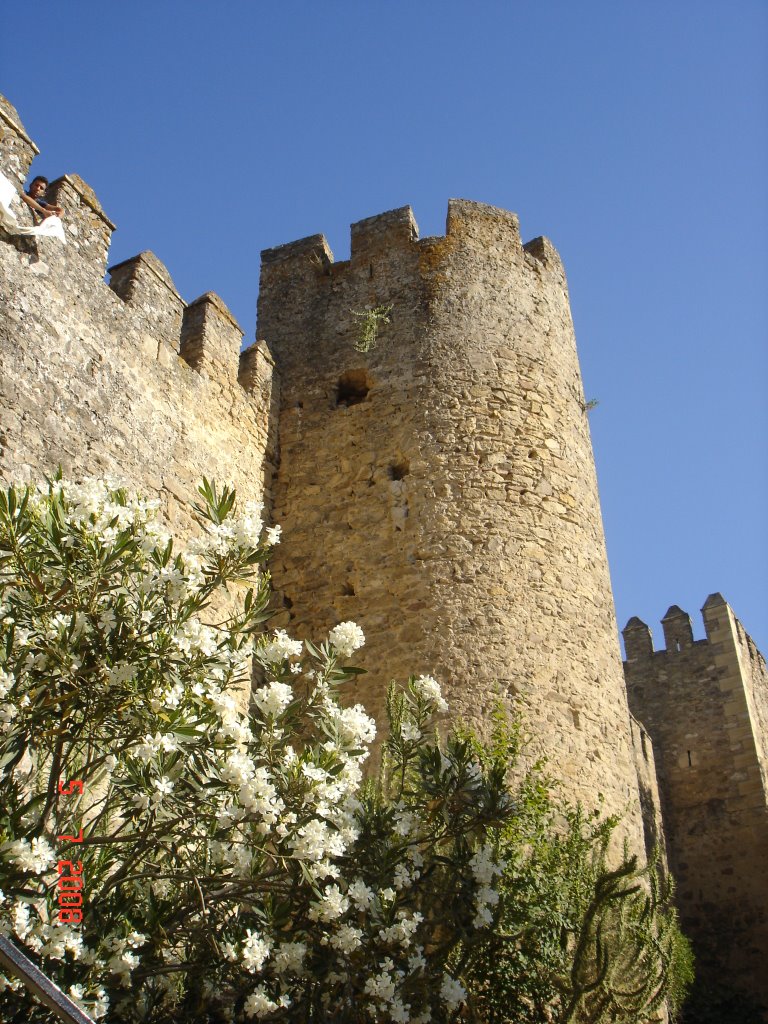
(174,850)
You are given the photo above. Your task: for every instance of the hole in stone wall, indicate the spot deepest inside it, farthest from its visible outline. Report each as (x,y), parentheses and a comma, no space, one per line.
(533,454)
(287,602)
(690,762)
(347,590)
(299,405)
(399,470)
(353,387)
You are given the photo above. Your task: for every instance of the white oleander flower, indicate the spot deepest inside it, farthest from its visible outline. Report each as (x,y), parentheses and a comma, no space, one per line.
(484,866)
(356,728)
(333,904)
(347,939)
(399,1011)
(314,772)
(314,841)
(429,689)
(382,986)
(347,638)
(237,770)
(483,918)
(7,715)
(402,877)
(39,856)
(255,951)
(275,651)
(259,1004)
(289,958)
(452,993)
(360,894)
(416,961)
(6,682)
(163,787)
(409,732)
(406,821)
(403,930)
(248,525)
(194,637)
(20,917)
(140,801)
(123,672)
(107,620)
(122,964)
(273,698)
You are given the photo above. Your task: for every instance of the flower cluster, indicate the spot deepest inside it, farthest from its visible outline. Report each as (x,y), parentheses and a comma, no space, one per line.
(347,638)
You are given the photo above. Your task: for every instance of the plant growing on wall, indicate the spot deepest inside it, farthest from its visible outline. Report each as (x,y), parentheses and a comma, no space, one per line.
(578,938)
(369,322)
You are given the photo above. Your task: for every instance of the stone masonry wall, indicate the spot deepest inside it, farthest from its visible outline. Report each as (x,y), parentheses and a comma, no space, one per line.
(753,672)
(654,835)
(124,380)
(440,489)
(703,703)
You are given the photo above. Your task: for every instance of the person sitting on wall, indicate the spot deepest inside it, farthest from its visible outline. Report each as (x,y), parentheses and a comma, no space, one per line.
(49,225)
(34,199)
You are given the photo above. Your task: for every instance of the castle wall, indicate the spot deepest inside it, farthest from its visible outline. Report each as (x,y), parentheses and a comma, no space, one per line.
(753,672)
(440,488)
(703,702)
(124,380)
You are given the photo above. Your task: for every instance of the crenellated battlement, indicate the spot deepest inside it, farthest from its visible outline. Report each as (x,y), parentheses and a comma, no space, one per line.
(17,150)
(678,631)
(204,333)
(395,229)
(678,635)
(395,233)
(123,377)
(310,304)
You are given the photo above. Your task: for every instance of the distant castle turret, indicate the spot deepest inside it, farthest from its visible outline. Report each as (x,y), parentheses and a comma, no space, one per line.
(705,705)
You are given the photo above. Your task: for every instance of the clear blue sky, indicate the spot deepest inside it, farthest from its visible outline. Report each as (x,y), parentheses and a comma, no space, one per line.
(634,135)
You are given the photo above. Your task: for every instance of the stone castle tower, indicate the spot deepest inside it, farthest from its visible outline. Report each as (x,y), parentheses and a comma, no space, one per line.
(438,488)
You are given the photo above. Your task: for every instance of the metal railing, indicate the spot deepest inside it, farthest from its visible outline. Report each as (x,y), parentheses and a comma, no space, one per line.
(50,995)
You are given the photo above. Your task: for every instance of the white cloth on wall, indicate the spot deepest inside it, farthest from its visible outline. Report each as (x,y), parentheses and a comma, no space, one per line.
(7,196)
(51,227)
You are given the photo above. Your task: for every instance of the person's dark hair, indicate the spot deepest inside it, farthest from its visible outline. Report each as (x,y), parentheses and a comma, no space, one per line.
(39,177)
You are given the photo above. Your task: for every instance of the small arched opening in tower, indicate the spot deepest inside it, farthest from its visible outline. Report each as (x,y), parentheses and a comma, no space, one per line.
(353,387)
